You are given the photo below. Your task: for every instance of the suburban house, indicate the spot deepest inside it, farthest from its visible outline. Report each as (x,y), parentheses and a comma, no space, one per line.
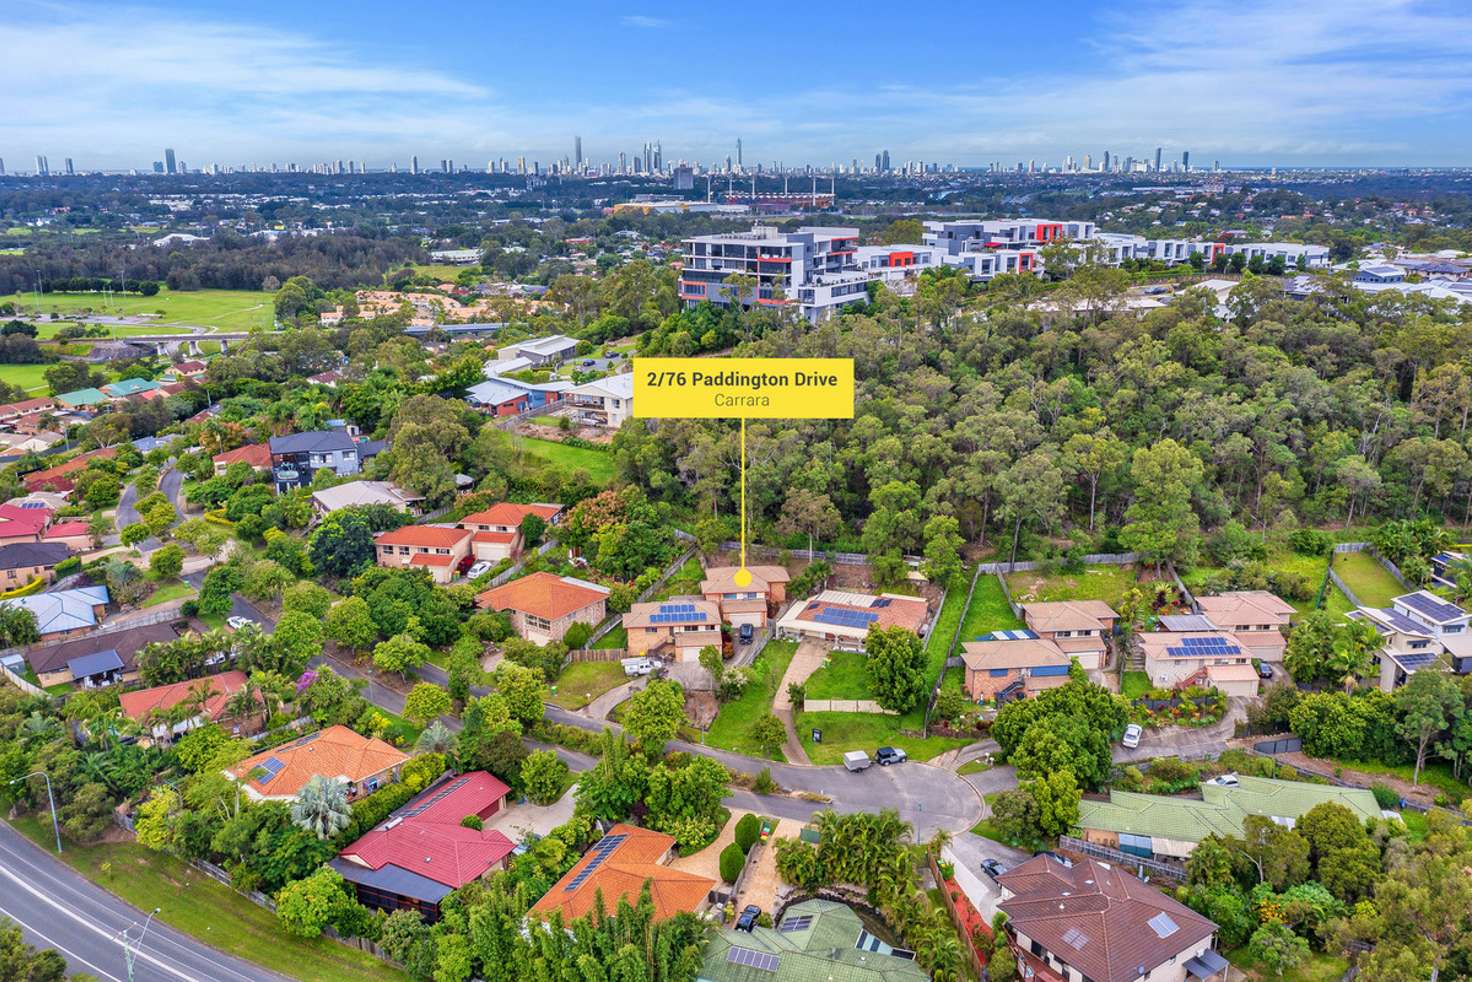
(185,369)
(605,402)
(544,605)
(816,940)
(57,662)
(75,534)
(365,493)
(65,613)
(1006,665)
(295,458)
(1212,659)
(211,694)
(23,524)
(1080,628)
(82,398)
(497,530)
(750,604)
(841,618)
(365,763)
(1406,646)
(22,562)
(507,396)
(439,549)
(1091,921)
(1167,827)
(20,443)
(617,866)
(14,414)
(128,387)
(676,628)
(58,478)
(1256,618)
(421,853)
(540,351)
(257,455)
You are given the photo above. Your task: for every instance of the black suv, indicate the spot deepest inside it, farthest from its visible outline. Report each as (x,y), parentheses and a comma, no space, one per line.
(747,921)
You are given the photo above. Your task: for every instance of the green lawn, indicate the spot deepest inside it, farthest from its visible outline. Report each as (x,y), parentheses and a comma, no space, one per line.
(1106,583)
(232,310)
(1370,581)
(172,590)
(28,377)
(1134,685)
(988,829)
(1336,603)
(616,638)
(945,627)
(731,728)
(868,732)
(845,675)
(1436,773)
(989,611)
(49,329)
(1311,568)
(686,580)
(583,681)
(977,766)
(444,272)
(1319,967)
(597,463)
(210,911)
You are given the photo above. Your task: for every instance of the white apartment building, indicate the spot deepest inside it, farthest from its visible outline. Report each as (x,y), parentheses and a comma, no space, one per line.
(813,269)
(605,402)
(897,266)
(1314,256)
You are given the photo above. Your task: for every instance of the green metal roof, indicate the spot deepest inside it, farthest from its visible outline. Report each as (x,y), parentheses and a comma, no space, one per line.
(82,397)
(1221,810)
(131,386)
(824,950)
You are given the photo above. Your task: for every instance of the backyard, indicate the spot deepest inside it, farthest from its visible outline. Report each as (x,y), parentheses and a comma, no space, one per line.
(598,464)
(731,728)
(1319,967)
(583,681)
(210,911)
(845,675)
(1281,561)
(1106,583)
(989,611)
(1371,582)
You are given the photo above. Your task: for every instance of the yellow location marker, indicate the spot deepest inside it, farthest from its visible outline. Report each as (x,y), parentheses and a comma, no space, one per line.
(744,388)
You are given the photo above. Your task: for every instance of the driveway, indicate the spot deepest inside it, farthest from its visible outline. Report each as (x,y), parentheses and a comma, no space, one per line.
(808,658)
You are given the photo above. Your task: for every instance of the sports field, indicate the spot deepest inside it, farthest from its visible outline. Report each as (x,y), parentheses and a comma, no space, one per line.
(228,310)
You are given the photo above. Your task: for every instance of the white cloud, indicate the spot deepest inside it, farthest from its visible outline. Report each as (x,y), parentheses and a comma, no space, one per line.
(644,21)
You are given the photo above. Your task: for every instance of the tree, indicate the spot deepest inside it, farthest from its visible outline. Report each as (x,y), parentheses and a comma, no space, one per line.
(22,963)
(426,702)
(435,739)
(298,637)
(768,734)
(943,549)
(1032,493)
(543,776)
(1427,703)
(308,905)
(307,597)
(1355,645)
(809,513)
(1277,855)
(1310,646)
(167,562)
(524,690)
(1093,455)
(350,624)
(896,664)
(321,807)
(1161,522)
(17,626)
(1277,947)
(400,653)
(1057,796)
(654,715)
(731,861)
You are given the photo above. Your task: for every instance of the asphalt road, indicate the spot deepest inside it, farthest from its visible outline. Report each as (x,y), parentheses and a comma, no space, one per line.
(56,908)
(128,515)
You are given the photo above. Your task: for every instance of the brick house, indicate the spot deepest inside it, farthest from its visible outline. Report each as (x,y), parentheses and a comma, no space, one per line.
(677,628)
(365,763)
(1214,659)
(1007,665)
(497,530)
(544,605)
(22,562)
(1080,628)
(750,604)
(440,549)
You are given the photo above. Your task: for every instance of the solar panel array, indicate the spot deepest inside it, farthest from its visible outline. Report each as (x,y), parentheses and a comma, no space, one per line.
(272,766)
(756,959)
(883,602)
(799,923)
(1431,606)
(1162,925)
(600,852)
(1196,647)
(677,614)
(435,798)
(1076,938)
(1416,661)
(846,618)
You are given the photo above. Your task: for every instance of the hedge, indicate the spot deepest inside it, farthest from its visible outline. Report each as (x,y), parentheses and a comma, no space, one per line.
(748,830)
(27,590)
(732,859)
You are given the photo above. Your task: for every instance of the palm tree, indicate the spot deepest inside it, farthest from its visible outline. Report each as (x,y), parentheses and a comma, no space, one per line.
(321,807)
(436,738)
(244,701)
(1354,646)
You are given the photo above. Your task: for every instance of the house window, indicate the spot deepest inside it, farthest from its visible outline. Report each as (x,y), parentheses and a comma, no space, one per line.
(540,623)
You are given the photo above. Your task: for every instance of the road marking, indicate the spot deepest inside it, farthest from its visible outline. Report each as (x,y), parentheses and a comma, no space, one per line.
(73,959)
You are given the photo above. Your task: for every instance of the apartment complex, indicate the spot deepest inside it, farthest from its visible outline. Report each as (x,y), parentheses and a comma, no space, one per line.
(813,269)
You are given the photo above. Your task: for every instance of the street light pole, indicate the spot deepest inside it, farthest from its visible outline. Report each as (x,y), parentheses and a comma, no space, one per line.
(51,800)
(131,946)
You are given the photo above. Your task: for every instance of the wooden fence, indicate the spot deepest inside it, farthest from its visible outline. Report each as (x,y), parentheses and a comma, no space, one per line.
(598,654)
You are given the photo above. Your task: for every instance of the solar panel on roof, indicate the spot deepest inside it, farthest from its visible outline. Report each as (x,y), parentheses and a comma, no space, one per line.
(1162,925)
(799,923)
(755,959)
(1431,606)
(272,766)
(600,851)
(883,602)
(1075,938)
(1416,661)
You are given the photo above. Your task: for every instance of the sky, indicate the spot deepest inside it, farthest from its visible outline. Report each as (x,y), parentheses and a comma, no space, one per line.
(1373,82)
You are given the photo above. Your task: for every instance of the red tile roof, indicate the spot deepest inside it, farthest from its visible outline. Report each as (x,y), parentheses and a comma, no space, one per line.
(425,837)
(622,873)
(502,538)
(56,476)
(255,454)
(509,513)
(27,406)
(424,536)
(65,530)
(430,559)
(543,594)
(138,703)
(15,520)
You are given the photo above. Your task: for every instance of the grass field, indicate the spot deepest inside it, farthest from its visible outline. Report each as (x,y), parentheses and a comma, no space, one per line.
(686,580)
(945,628)
(1370,581)
(597,463)
(583,681)
(1134,685)
(1319,967)
(48,329)
(210,911)
(232,310)
(1106,583)
(616,638)
(445,272)
(28,377)
(731,728)
(172,590)
(989,611)
(844,676)
(1436,773)
(868,732)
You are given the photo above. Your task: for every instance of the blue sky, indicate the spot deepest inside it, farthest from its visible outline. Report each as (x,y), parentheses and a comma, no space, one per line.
(1243,81)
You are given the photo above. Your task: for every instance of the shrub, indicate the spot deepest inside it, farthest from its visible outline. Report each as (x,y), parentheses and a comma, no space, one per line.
(764,783)
(68,566)
(472,822)
(748,830)
(1385,797)
(577,635)
(732,860)
(1310,542)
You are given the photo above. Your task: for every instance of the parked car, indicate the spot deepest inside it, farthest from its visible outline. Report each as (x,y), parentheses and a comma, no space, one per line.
(890,755)
(589,363)
(746,633)
(856,760)
(1264,670)
(747,921)
(1225,781)
(992,868)
(479,569)
(1132,734)
(237,622)
(638,666)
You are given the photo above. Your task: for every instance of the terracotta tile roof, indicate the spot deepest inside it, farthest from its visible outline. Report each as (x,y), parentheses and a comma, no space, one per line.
(56,475)
(721,579)
(255,454)
(27,406)
(15,520)
(1100,920)
(334,752)
(981,656)
(500,538)
(889,610)
(1243,607)
(430,559)
(621,872)
(425,836)
(543,594)
(510,513)
(424,536)
(138,703)
(1068,615)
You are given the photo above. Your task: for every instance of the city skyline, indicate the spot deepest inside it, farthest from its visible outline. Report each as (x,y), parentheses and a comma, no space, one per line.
(288,85)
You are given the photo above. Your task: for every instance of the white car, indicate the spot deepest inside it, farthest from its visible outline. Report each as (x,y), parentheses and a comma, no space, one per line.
(479,569)
(1132,734)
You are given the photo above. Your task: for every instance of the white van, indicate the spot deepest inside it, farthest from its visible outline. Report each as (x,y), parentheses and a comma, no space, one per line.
(638,666)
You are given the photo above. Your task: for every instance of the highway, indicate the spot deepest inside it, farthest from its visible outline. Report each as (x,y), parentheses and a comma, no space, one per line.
(56,908)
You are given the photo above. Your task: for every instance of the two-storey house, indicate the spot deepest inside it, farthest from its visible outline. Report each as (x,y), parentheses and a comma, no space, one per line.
(752,603)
